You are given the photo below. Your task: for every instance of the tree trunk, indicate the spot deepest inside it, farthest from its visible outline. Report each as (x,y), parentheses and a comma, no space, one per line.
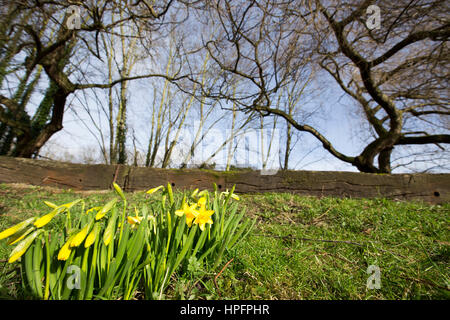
(30,144)
(384,160)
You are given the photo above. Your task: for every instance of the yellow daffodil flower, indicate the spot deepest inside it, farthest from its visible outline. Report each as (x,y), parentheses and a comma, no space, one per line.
(201,202)
(233,195)
(203,217)
(188,210)
(194,193)
(134,221)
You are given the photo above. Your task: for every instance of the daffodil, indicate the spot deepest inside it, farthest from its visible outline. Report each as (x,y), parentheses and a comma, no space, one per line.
(23,246)
(233,195)
(16,237)
(110,230)
(134,221)
(203,217)
(42,221)
(119,191)
(65,251)
(201,202)
(194,193)
(92,236)
(70,204)
(16,228)
(50,204)
(105,209)
(188,210)
(153,190)
(80,236)
(93,209)
(203,192)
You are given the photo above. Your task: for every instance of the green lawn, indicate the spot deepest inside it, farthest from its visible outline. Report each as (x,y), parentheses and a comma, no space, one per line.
(300,248)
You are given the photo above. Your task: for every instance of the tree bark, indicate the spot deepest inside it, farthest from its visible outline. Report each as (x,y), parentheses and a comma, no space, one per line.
(30,144)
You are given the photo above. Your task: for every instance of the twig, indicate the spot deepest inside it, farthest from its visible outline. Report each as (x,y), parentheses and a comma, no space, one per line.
(215,278)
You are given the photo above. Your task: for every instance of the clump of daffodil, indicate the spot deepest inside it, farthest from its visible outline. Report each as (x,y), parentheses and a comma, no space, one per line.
(188,210)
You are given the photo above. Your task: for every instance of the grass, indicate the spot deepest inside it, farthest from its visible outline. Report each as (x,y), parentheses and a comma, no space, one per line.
(301,247)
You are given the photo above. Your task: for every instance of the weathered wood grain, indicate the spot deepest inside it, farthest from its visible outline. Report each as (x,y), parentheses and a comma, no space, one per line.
(434,188)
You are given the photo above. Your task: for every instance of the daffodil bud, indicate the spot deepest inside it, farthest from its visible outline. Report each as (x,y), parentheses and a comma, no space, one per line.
(119,191)
(105,209)
(23,246)
(153,190)
(50,204)
(64,252)
(80,236)
(16,228)
(92,236)
(110,229)
(42,221)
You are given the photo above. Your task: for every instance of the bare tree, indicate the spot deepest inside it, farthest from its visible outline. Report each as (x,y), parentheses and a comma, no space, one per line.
(55,54)
(401,76)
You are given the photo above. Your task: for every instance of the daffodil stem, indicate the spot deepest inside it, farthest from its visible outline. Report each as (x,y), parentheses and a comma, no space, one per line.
(110,245)
(69,222)
(47,275)
(123,219)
